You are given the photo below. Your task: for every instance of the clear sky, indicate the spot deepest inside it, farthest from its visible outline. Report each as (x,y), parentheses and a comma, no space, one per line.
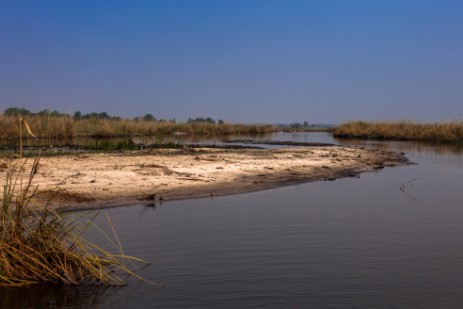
(267,61)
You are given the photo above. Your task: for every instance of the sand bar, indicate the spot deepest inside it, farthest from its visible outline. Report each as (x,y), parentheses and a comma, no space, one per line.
(89,180)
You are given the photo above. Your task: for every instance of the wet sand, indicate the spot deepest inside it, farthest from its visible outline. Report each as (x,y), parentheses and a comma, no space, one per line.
(86,181)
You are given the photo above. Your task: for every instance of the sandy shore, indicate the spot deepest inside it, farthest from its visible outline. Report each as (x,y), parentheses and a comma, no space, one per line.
(84,181)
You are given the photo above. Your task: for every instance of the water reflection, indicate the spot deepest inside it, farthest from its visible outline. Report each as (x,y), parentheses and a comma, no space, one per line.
(351,243)
(59,297)
(410,146)
(146,140)
(305,137)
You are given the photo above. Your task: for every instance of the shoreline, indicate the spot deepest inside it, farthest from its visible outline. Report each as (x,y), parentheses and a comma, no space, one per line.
(93,181)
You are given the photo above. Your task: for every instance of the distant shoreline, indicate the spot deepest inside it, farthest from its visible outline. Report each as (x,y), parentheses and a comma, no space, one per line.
(443,132)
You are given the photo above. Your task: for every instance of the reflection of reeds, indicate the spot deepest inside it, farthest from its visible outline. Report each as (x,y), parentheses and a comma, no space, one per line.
(47,247)
(51,126)
(445,132)
(56,296)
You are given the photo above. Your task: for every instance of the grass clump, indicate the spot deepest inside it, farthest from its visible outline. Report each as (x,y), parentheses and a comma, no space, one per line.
(47,247)
(445,132)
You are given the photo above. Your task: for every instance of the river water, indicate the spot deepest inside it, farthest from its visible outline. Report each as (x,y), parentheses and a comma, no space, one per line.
(388,239)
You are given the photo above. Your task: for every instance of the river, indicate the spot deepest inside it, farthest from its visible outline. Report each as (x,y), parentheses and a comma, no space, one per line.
(388,239)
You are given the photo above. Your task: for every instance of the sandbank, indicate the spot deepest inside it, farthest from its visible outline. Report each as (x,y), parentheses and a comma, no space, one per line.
(98,180)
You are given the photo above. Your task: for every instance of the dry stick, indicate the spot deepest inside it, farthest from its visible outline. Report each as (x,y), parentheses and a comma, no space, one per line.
(402,186)
(20,137)
(26,125)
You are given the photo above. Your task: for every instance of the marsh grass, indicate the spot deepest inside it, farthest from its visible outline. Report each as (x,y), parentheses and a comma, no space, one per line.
(445,132)
(64,126)
(47,247)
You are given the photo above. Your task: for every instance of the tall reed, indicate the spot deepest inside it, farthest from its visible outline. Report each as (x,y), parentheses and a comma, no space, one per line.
(43,246)
(64,126)
(445,132)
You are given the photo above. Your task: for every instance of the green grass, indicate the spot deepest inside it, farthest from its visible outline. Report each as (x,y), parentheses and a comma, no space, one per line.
(43,246)
(444,132)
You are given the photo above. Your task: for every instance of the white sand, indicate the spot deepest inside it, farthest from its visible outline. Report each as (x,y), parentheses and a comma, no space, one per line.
(105,180)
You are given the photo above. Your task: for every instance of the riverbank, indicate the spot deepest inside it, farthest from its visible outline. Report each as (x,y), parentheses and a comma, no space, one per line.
(87,181)
(61,126)
(444,132)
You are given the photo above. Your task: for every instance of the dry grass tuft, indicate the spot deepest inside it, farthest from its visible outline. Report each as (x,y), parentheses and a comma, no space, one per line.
(48,247)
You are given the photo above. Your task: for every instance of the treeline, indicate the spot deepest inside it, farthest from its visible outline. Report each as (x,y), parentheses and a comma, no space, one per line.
(204,120)
(14,111)
(52,124)
(305,127)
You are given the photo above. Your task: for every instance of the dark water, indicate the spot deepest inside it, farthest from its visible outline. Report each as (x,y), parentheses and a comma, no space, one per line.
(171,139)
(350,243)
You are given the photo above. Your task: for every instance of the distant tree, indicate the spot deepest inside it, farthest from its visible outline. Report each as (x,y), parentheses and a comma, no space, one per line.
(88,116)
(296,125)
(14,111)
(77,115)
(43,112)
(149,117)
(102,115)
(47,112)
(220,121)
(306,124)
(201,120)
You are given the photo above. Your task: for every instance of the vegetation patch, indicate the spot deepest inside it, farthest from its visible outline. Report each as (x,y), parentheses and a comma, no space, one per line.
(47,247)
(445,132)
(52,124)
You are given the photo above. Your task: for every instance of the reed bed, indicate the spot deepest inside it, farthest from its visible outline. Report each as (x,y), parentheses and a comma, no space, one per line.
(64,126)
(47,247)
(445,132)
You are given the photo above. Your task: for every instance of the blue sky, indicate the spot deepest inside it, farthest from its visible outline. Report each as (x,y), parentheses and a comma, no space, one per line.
(267,61)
